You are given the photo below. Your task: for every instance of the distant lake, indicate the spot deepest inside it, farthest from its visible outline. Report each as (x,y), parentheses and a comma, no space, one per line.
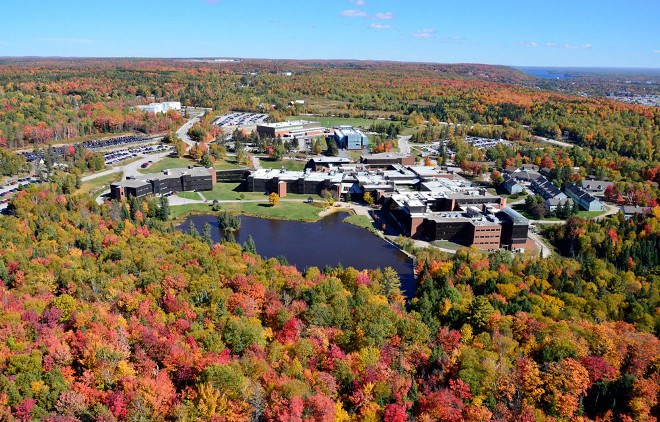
(545,73)
(328,241)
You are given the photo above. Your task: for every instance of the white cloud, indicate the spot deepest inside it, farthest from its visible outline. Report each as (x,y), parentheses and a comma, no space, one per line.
(379,26)
(352,13)
(587,46)
(424,34)
(551,44)
(532,44)
(359,3)
(67,41)
(656,51)
(384,15)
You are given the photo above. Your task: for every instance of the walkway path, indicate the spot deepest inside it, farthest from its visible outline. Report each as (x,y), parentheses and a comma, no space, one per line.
(255,162)
(545,251)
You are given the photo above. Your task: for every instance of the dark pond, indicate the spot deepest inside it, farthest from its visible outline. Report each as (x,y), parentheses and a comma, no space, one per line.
(329,241)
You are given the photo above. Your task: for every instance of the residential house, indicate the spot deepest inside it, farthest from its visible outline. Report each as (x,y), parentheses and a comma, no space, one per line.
(584,199)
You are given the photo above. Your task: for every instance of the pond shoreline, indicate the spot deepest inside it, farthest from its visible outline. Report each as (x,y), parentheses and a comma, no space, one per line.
(328,241)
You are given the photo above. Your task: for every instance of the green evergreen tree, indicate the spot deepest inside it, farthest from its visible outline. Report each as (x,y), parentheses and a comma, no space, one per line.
(249,246)
(206,234)
(163,209)
(332,147)
(4,275)
(192,230)
(206,160)
(134,207)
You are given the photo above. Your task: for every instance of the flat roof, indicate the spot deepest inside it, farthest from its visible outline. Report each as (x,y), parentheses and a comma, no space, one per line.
(171,173)
(331,160)
(345,131)
(383,155)
(289,123)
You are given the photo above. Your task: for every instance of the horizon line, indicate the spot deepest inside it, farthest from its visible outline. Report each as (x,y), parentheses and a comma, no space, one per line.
(328,60)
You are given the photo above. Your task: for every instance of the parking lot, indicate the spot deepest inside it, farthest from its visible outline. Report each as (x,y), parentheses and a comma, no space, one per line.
(241,119)
(485,143)
(110,158)
(11,187)
(31,157)
(113,142)
(435,148)
(124,154)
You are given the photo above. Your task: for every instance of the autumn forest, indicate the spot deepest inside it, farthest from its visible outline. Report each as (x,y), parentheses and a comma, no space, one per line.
(108,313)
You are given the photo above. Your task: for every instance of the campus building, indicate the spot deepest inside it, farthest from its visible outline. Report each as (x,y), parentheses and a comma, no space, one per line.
(348,137)
(386,159)
(326,163)
(161,107)
(172,180)
(291,129)
(310,182)
(457,211)
(486,226)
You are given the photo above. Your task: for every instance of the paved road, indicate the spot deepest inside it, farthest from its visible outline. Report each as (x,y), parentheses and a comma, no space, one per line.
(183,130)
(404,147)
(130,169)
(554,142)
(611,210)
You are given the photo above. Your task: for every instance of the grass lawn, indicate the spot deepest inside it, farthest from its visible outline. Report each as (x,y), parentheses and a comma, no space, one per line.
(170,162)
(445,244)
(167,163)
(291,165)
(360,221)
(189,195)
(283,210)
(100,182)
(227,164)
(590,214)
(407,130)
(336,121)
(179,211)
(229,192)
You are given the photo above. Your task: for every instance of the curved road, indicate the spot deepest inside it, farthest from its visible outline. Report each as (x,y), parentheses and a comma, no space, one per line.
(183,130)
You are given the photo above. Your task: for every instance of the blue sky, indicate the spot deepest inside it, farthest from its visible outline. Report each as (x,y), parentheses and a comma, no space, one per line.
(510,32)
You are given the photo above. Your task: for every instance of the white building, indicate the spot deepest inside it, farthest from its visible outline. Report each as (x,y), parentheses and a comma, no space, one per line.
(161,107)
